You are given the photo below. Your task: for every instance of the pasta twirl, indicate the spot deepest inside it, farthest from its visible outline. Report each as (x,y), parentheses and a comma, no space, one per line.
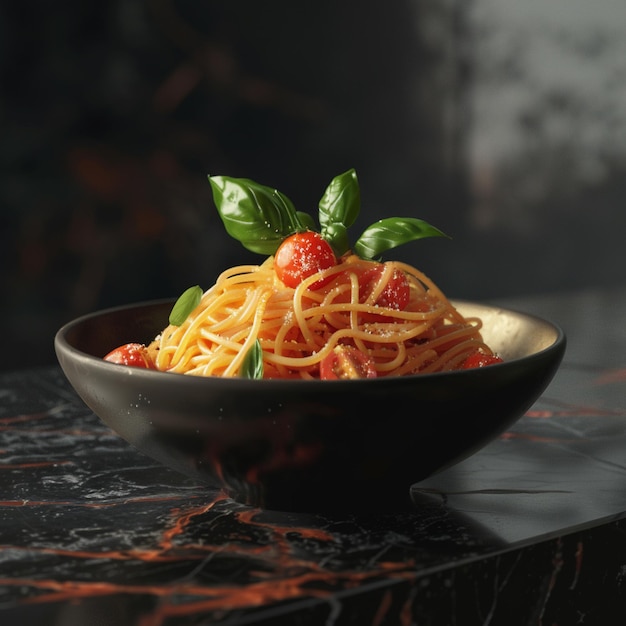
(297,328)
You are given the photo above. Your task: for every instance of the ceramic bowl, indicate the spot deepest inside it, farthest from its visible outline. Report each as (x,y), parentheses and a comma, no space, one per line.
(287,445)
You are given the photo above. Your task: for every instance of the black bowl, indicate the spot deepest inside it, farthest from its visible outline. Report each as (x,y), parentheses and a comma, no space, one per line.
(287,445)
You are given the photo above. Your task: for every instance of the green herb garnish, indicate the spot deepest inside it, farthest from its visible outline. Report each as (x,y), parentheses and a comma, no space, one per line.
(186,303)
(391,232)
(338,209)
(252,365)
(260,217)
(257,216)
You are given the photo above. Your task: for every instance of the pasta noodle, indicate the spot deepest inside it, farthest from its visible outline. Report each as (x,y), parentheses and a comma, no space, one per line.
(298,327)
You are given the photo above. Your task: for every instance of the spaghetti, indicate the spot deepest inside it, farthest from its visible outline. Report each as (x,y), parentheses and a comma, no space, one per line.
(297,328)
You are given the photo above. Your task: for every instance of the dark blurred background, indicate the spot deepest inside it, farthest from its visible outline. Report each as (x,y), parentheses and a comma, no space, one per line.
(502,123)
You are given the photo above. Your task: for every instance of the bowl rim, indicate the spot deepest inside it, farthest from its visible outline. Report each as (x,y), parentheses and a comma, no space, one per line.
(62,345)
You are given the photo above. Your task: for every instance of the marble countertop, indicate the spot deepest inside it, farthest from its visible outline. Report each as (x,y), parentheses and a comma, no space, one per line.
(530,529)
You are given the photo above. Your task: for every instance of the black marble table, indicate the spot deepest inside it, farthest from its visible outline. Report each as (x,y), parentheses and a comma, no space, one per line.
(530,530)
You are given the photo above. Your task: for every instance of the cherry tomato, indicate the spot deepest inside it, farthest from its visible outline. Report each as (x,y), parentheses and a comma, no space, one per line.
(133,354)
(347,362)
(301,255)
(479,359)
(395,294)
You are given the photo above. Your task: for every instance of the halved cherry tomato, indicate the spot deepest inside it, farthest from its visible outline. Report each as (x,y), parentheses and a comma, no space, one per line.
(480,359)
(133,354)
(301,255)
(347,362)
(395,294)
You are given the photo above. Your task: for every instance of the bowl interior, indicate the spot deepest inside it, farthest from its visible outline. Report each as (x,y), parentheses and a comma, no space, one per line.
(512,334)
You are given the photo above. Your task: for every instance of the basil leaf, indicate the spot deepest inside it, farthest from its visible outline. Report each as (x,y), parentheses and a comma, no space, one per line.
(337,237)
(252,364)
(340,204)
(390,233)
(257,216)
(186,303)
(307,221)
